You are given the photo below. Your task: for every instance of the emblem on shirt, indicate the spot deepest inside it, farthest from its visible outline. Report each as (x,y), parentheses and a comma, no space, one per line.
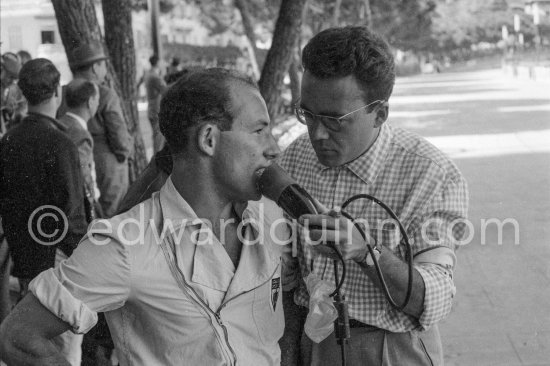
(275,288)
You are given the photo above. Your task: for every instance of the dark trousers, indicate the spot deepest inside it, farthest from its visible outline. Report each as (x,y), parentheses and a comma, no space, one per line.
(112,180)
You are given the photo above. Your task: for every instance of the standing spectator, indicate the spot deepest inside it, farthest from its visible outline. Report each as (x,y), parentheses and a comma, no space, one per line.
(82,98)
(172,69)
(112,142)
(13,104)
(155,86)
(24,56)
(42,204)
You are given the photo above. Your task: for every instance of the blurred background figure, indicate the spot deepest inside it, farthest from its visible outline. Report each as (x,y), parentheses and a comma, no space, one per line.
(13,103)
(82,98)
(112,141)
(155,87)
(172,69)
(24,56)
(39,168)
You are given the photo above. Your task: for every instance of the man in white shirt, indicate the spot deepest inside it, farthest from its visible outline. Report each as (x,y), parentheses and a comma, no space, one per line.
(191,275)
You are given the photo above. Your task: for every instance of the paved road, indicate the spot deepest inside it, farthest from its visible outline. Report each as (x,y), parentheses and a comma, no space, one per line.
(498,132)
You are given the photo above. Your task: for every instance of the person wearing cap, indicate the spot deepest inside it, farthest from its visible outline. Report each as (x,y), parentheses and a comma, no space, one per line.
(42,203)
(112,141)
(13,104)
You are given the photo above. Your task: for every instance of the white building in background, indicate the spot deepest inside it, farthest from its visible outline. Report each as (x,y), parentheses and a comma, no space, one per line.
(31,25)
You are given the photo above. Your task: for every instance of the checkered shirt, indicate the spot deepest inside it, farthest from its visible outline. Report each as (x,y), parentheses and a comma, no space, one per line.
(419,183)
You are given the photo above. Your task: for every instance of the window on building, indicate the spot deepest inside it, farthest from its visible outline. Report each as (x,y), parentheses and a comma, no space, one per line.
(48,36)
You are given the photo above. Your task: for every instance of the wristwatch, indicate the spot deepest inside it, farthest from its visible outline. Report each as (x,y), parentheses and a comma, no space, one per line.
(368,260)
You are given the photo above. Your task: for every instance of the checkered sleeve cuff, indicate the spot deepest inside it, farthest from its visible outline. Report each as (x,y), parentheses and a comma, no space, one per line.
(439,293)
(56,298)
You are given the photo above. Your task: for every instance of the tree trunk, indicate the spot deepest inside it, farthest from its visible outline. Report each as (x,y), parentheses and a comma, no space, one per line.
(295,70)
(336,13)
(287,30)
(295,74)
(120,42)
(249,32)
(368,14)
(77,23)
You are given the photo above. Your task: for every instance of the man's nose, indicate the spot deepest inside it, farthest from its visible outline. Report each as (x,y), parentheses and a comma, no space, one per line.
(318,131)
(273,150)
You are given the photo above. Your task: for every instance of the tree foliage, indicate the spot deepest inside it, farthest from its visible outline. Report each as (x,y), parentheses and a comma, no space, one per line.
(460,24)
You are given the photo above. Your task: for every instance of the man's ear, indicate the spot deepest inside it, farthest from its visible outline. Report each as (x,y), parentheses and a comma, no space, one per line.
(207,138)
(382,112)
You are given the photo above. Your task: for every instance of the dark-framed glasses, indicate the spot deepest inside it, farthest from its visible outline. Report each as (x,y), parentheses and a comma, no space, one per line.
(332,123)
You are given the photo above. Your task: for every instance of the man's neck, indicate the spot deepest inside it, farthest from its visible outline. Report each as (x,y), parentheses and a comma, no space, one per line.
(81,115)
(198,190)
(47,109)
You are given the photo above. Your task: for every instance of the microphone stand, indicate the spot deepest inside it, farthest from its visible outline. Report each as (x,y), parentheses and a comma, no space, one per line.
(341,324)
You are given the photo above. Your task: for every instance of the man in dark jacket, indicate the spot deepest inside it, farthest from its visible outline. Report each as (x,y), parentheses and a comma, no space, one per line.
(42,202)
(40,179)
(112,142)
(82,99)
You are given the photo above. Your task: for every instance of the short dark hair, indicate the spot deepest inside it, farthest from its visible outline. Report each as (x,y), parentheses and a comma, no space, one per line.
(78,92)
(24,56)
(352,50)
(154,60)
(38,80)
(196,98)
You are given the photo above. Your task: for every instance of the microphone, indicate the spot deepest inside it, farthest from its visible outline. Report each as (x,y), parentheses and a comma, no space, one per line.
(278,186)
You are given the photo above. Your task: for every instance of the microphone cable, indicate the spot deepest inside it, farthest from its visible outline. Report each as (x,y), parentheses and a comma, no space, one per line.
(405,239)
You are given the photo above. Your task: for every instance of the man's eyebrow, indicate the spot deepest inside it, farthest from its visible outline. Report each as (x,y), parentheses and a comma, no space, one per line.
(261,122)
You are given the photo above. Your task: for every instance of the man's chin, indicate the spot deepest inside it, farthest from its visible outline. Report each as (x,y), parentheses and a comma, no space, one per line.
(329,158)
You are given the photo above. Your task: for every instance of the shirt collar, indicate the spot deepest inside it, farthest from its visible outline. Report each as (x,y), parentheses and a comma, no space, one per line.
(52,121)
(367,165)
(174,206)
(78,119)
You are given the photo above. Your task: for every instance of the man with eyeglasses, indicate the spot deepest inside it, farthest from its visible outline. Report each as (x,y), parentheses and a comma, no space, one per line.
(349,150)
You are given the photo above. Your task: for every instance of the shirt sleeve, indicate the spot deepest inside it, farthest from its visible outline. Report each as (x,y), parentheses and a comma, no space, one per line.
(434,238)
(94,279)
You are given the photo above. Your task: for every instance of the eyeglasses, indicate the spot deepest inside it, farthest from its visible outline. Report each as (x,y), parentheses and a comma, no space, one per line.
(332,123)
